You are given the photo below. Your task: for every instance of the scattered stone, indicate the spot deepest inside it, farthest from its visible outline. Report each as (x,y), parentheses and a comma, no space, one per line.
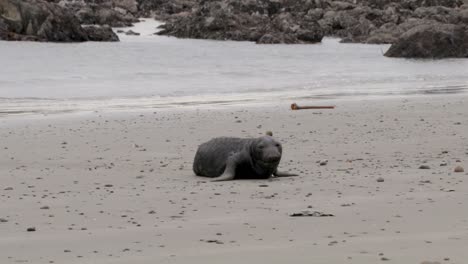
(3,220)
(45,207)
(31,229)
(424,167)
(310,214)
(215,241)
(323,162)
(380,179)
(459,169)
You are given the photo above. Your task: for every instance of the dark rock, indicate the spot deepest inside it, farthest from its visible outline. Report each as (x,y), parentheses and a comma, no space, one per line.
(262,21)
(100,33)
(114,13)
(39,20)
(132,33)
(163,8)
(433,40)
(424,167)
(310,214)
(31,229)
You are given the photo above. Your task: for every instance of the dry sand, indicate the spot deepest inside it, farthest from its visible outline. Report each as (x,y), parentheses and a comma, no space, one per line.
(118,187)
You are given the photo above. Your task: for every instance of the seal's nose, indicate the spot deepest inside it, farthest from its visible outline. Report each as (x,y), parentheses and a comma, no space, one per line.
(273,158)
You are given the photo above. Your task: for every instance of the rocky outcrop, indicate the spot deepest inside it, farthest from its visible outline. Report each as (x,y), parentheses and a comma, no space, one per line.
(114,13)
(301,21)
(381,22)
(39,20)
(435,40)
(163,9)
(262,21)
(100,33)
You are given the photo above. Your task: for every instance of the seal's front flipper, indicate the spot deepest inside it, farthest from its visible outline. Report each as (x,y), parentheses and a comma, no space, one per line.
(230,171)
(284,174)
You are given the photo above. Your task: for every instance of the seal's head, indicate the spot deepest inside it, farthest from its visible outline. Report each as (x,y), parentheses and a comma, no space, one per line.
(266,153)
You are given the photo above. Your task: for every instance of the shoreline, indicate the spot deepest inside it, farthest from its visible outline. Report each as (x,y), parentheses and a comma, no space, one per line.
(58,107)
(118,187)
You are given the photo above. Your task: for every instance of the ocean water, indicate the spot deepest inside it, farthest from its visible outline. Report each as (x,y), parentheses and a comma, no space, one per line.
(151,71)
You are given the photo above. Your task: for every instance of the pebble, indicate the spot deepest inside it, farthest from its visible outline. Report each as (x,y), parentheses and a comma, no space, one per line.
(31,229)
(323,162)
(3,220)
(424,167)
(459,169)
(380,179)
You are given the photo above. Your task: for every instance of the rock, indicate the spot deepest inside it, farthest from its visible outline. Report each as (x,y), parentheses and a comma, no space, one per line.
(380,179)
(31,229)
(261,21)
(3,220)
(434,40)
(323,162)
(459,169)
(132,33)
(114,13)
(128,5)
(101,33)
(39,20)
(300,21)
(215,241)
(163,8)
(310,214)
(424,167)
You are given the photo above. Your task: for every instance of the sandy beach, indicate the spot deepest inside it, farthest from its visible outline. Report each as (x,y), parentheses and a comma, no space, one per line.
(118,187)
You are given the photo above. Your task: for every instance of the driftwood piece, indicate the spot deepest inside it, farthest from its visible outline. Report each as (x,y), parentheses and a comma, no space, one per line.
(294,106)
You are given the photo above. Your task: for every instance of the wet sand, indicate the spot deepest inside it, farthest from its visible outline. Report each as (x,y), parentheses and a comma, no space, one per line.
(118,187)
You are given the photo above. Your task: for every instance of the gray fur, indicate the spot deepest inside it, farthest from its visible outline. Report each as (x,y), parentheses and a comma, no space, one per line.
(227,158)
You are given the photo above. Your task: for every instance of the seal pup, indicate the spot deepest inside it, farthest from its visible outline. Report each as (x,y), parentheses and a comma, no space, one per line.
(228,158)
